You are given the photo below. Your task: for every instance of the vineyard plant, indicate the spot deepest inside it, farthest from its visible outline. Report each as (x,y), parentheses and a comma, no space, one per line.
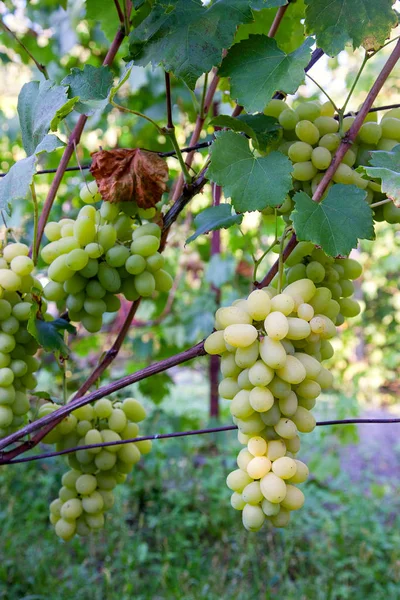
(199,260)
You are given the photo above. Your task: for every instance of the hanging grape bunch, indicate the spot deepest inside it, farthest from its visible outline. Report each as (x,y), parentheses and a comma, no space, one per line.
(271,346)
(105,252)
(311,136)
(86,492)
(17,346)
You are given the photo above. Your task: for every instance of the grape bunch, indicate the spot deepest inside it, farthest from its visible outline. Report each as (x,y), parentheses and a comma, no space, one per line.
(100,255)
(311,136)
(271,347)
(87,488)
(17,346)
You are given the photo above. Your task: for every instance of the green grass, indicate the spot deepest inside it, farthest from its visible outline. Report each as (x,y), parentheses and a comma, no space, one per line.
(173,535)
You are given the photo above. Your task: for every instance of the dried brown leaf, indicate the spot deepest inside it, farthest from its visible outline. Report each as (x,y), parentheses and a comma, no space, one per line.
(125,175)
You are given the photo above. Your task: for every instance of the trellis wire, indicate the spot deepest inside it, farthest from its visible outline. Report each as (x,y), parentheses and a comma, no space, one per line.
(176,434)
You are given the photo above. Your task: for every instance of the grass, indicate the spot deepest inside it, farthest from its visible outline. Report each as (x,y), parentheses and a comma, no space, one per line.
(173,535)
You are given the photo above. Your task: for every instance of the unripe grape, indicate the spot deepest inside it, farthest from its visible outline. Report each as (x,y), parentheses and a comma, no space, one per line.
(304,171)
(133,410)
(145,283)
(307,132)
(300,152)
(274,108)
(370,133)
(288,118)
(343,174)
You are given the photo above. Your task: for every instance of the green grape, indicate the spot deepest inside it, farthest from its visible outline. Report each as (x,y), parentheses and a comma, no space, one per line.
(91,323)
(237,480)
(12,250)
(95,521)
(321,158)
(391,213)
(84,230)
(260,399)
(330,141)
(135,264)
(288,118)
(74,302)
(52,231)
(117,256)
(391,128)
(147,229)
(308,110)
(145,283)
(95,306)
(370,133)
(129,208)
(274,108)
(109,278)
(240,335)
(89,192)
(77,259)
(304,171)
(22,265)
(155,262)
(145,245)
(326,125)
(113,303)
(94,289)
(106,237)
(300,152)
(307,132)
(245,357)
(75,284)
(123,228)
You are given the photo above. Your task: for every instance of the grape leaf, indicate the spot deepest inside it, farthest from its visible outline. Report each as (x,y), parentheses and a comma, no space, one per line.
(92,85)
(339,22)
(37,105)
(252,182)
(105,13)
(260,4)
(63,112)
(212,218)
(48,333)
(337,222)
(386,167)
(258,68)
(15,185)
(290,34)
(261,129)
(186,37)
(157,387)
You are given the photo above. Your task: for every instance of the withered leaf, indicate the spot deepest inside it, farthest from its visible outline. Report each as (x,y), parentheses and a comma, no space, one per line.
(125,175)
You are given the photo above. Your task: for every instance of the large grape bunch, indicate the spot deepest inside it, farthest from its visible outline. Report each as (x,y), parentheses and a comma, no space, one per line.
(17,346)
(87,488)
(100,255)
(271,347)
(311,136)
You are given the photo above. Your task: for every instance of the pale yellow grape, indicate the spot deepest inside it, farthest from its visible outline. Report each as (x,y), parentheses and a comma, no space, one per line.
(240,406)
(237,480)
(344,174)
(273,488)
(293,445)
(308,389)
(246,357)
(59,270)
(325,379)
(251,425)
(243,458)
(258,467)
(258,304)
(86,484)
(89,192)
(107,435)
(144,447)
(228,388)
(275,107)
(129,453)
(305,311)
(243,380)
(284,467)
(276,325)
(261,399)
(324,326)
(294,498)
(272,353)
(215,343)
(231,315)
(105,460)
(229,367)
(243,438)
(281,519)
(260,374)
(253,517)
(304,171)
(9,281)
(289,348)
(257,446)
(55,507)
(102,408)
(22,265)
(298,329)
(12,250)
(237,501)
(312,365)
(301,474)
(117,421)
(52,231)
(282,303)
(272,416)
(293,371)
(269,508)
(252,493)
(239,335)
(72,509)
(286,428)
(288,405)
(304,420)
(299,152)
(304,288)
(307,403)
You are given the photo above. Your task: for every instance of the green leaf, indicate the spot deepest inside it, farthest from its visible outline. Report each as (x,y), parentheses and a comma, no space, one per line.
(260,4)
(386,167)
(253,183)
(261,129)
(105,13)
(339,22)
(92,85)
(63,112)
(212,218)
(15,185)
(47,333)
(220,270)
(124,77)
(37,105)
(290,34)
(337,223)
(186,37)
(156,388)
(258,68)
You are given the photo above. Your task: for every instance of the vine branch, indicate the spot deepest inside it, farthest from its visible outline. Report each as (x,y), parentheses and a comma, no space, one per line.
(42,68)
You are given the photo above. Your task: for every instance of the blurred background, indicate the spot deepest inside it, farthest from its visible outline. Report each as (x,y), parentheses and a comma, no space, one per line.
(172,532)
